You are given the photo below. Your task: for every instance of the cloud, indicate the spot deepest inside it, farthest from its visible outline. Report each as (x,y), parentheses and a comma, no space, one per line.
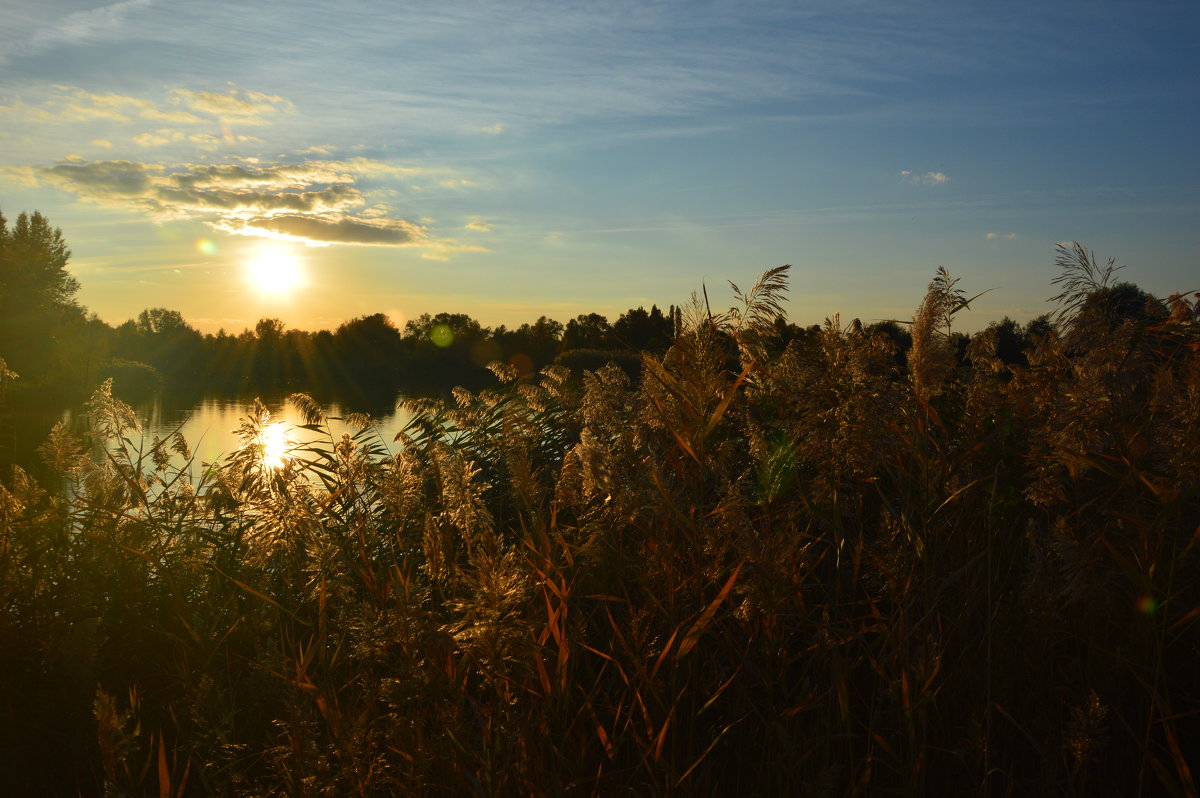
(318,202)
(76,28)
(493,130)
(158,138)
(991,236)
(101,180)
(196,200)
(174,117)
(478,225)
(70,103)
(375,211)
(209,142)
(105,143)
(927,179)
(206,141)
(330,229)
(197,189)
(235,106)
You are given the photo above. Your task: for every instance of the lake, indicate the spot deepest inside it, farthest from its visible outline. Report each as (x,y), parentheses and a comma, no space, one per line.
(208,424)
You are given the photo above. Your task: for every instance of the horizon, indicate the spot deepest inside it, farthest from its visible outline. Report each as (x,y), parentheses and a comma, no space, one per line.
(520,160)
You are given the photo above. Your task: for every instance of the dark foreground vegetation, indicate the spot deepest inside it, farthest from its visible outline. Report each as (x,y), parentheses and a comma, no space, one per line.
(815,567)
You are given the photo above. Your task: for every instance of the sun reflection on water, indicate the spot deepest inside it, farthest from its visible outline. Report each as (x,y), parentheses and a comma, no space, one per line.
(276,448)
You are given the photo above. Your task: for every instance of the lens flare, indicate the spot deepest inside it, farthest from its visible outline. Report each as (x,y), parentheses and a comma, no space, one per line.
(441,335)
(1147,605)
(522,363)
(206,246)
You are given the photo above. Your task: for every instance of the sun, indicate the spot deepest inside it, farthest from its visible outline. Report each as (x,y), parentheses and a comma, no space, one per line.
(274,272)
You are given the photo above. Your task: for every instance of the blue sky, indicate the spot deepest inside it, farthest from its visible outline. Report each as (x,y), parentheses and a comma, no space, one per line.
(511,160)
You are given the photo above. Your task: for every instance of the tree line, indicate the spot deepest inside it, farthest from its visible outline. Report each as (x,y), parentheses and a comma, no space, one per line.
(57,348)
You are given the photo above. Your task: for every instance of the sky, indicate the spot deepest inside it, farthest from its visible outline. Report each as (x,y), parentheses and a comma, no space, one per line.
(315,162)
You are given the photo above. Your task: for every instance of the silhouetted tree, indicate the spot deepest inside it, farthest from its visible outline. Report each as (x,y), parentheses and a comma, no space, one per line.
(1011,342)
(160,321)
(448,349)
(37,295)
(1113,304)
(587,331)
(642,330)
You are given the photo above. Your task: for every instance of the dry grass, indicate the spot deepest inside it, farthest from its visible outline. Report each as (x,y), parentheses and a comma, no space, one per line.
(764,570)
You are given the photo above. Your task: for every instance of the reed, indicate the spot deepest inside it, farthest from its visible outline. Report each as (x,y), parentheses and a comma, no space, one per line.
(763,568)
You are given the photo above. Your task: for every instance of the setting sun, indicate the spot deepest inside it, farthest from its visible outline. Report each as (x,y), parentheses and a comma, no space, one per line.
(274,272)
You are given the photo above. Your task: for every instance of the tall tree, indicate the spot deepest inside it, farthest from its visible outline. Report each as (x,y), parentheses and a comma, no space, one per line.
(37,294)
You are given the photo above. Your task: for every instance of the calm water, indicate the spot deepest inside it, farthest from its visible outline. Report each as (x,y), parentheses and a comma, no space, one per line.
(208,424)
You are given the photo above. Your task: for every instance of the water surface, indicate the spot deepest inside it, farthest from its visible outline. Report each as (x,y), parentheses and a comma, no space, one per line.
(209,426)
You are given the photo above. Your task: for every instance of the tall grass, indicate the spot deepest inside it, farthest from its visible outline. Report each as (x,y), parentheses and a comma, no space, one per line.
(765,569)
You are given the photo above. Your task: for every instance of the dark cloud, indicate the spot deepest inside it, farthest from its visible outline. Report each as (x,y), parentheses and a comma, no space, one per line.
(125,178)
(333,229)
(201,200)
(312,201)
(188,189)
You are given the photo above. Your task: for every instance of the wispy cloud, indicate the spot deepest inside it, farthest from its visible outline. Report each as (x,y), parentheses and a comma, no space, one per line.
(72,104)
(375,212)
(992,236)
(926,179)
(174,117)
(235,106)
(60,104)
(209,142)
(72,29)
(158,138)
(478,225)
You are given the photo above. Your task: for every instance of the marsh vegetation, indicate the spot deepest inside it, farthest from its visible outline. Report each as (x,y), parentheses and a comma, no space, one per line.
(764,564)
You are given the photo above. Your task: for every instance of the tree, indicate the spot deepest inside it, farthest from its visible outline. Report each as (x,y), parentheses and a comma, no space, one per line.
(587,331)
(640,330)
(372,339)
(541,340)
(444,328)
(33,261)
(36,293)
(160,321)
(162,338)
